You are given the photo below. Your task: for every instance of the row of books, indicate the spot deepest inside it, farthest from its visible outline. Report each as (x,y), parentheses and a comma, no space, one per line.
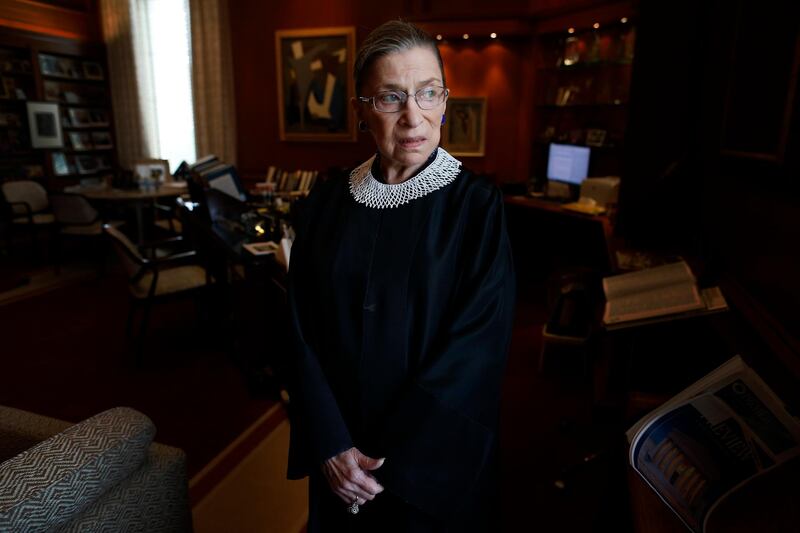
(295,181)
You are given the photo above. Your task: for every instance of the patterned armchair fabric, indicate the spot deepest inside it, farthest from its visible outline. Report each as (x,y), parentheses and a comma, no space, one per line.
(103,474)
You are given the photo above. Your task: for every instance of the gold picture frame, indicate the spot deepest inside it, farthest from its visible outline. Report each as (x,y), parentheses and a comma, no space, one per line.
(464,132)
(315,83)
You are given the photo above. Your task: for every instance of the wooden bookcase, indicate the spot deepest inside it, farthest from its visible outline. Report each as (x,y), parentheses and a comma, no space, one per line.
(583,79)
(72,74)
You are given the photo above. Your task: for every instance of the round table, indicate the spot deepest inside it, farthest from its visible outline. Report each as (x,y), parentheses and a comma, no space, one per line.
(136,198)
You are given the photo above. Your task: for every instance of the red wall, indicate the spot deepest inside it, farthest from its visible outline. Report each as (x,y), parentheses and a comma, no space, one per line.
(496,70)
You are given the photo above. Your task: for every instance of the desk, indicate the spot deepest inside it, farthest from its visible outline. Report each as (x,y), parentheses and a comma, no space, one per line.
(574,227)
(136,198)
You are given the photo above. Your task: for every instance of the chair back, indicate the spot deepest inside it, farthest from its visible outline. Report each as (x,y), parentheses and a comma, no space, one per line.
(72,209)
(132,259)
(28,192)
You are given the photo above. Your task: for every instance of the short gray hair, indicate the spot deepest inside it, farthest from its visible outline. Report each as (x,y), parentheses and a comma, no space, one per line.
(389,38)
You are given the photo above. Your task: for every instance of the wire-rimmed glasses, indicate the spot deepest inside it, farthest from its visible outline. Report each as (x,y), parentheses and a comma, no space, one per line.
(393,101)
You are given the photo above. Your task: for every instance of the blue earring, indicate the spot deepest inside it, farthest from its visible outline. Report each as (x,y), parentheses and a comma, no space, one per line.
(443,120)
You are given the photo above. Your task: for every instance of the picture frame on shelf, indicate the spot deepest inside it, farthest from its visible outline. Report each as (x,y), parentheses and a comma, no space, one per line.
(315,84)
(80,141)
(464,132)
(52,91)
(79,118)
(595,137)
(102,140)
(86,164)
(48,65)
(45,125)
(98,117)
(61,166)
(92,70)
(151,169)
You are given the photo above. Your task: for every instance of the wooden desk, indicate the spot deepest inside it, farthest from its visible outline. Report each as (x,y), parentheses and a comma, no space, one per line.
(135,198)
(600,223)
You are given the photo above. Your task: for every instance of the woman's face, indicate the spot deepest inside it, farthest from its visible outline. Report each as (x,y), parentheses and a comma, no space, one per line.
(408,137)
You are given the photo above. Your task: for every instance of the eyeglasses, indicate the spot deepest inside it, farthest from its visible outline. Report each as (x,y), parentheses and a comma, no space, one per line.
(393,101)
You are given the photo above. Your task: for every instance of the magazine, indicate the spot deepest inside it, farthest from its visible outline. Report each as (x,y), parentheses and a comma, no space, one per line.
(714,437)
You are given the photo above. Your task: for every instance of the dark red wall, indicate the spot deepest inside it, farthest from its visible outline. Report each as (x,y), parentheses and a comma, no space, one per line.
(496,70)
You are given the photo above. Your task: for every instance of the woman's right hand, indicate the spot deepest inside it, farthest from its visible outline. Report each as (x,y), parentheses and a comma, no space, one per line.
(349,478)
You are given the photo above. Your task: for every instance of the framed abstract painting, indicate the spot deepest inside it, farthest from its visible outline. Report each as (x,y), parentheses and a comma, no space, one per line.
(315,84)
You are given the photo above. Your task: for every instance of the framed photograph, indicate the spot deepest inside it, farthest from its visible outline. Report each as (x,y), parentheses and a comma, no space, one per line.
(60,165)
(79,118)
(102,140)
(80,141)
(464,131)
(595,137)
(98,117)
(86,164)
(92,70)
(45,125)
(315,84)
(48,65)
(151,169)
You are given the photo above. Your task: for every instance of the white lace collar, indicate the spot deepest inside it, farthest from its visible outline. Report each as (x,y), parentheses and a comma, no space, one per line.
(367,190)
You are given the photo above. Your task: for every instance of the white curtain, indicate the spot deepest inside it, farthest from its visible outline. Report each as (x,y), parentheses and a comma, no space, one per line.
(126,33)
(212,80)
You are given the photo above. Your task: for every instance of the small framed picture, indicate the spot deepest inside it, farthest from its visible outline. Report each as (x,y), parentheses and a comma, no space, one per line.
(48,65)
(595,137)
(464,130)
(151,169)
(98,117)
(261,248)
(52,91)
(45,125)
(80,141)
(92,70)
(79,118)
(102,140)
(60,164)
(86,164)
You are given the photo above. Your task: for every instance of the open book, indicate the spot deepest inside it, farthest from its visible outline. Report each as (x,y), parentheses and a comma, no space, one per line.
(720,433)
(658,293)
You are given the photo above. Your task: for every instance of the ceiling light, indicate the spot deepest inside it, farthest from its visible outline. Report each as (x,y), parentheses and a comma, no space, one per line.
(466,36)
(493,35)
(571,30)
(439,37)
(596,25)
(623,20)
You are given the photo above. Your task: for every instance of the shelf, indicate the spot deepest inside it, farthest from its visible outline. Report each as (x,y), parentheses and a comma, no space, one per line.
(16,73)
(74,151)
(85,128)
(620,105)
(587,66)
(51,77)
(604,148)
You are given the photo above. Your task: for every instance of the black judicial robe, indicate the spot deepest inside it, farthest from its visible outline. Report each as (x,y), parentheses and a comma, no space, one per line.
(401,319)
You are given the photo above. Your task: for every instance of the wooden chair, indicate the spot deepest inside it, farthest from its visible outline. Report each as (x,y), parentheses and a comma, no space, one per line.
(153,278)
(28,209)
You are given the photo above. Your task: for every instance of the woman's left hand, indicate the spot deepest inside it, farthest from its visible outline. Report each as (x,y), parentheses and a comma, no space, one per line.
(349,478)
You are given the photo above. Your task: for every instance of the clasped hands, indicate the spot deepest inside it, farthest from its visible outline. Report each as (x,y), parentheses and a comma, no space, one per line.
(349,478)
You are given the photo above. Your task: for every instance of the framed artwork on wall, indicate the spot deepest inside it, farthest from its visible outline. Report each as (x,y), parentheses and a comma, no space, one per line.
(464,131)
(45,125)
(315,84)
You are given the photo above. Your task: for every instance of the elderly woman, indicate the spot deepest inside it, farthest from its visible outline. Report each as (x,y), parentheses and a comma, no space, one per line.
(401,296)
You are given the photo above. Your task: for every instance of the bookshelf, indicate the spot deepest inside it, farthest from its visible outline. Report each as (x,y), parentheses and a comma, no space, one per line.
(72,74)
(583,79)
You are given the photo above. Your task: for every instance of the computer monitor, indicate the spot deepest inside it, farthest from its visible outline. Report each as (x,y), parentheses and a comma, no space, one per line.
(568,163)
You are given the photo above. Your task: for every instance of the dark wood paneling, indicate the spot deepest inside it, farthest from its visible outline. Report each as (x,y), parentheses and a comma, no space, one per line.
(78,20)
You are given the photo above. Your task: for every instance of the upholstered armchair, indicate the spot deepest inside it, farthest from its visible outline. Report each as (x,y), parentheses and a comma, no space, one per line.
(102,474)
